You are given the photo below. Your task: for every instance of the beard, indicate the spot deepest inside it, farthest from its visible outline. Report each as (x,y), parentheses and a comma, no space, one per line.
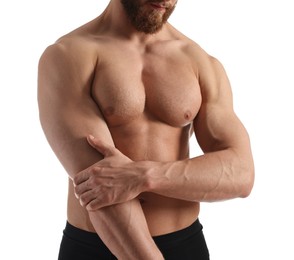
(144,20)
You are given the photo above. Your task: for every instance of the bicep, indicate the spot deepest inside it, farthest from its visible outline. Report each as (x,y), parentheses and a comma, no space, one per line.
(67,115)
(216,126)
(66,129)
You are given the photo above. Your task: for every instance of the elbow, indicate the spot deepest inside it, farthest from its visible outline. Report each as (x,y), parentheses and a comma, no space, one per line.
(247,181)
(244,173)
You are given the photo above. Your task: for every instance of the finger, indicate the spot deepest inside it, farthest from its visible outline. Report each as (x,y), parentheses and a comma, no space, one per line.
(81,177)
(104,198)
(82,188)
(88,197)
(102,147)
(96,204)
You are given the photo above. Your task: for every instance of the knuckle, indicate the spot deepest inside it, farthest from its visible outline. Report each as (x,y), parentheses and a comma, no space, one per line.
(95,170)
(91,182)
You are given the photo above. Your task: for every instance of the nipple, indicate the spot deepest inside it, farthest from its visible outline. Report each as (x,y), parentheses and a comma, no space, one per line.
(188,115)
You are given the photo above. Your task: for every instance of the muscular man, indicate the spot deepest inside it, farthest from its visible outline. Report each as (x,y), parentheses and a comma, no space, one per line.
(119,98)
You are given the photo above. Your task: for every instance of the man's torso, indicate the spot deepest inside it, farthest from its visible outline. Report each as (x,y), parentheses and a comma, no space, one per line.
(149,96)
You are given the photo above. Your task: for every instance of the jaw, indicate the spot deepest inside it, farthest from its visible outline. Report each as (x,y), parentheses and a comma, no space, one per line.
(149,17)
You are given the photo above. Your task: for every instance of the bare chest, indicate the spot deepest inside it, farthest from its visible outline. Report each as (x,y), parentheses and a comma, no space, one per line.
(157,86)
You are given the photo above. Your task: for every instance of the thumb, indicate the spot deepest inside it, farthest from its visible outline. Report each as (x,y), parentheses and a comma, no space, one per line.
(105,149)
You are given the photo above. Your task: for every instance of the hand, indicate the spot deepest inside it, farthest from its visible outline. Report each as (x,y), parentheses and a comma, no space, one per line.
(113,180)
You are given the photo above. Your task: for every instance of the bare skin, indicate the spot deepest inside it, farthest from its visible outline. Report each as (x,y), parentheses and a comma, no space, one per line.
(141,96)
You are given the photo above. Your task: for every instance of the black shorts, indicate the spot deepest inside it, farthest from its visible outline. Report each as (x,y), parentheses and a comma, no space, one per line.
(185,244)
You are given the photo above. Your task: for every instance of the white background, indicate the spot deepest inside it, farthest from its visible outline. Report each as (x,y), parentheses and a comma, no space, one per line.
(254,41)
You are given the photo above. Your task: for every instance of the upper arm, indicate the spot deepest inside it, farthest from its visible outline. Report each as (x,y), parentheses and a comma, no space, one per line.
(67,111)
(216,126)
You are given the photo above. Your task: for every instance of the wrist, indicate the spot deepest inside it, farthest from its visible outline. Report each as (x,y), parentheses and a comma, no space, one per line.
(161,177)
(145,171)
(154,175)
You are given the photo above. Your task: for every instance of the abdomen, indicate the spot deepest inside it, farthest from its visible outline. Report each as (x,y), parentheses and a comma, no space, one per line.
(165,215)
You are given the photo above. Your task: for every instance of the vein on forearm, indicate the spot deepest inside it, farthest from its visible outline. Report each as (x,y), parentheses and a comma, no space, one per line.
(209,177)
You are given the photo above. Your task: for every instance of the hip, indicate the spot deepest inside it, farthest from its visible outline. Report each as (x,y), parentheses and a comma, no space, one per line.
(163,215)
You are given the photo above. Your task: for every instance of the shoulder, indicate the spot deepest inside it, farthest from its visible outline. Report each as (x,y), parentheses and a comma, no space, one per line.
(207,68)
(69,47)
(209,71)
(78,46)
(191,49)
(72,55)
(204,63)
(68,64)
(200,58)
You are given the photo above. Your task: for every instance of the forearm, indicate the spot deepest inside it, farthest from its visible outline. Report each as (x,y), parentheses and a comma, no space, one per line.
(213,176)
(124,230)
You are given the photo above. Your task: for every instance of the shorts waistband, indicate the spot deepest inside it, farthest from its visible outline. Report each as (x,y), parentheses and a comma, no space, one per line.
(165,240)
(83,236)
(173,238)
